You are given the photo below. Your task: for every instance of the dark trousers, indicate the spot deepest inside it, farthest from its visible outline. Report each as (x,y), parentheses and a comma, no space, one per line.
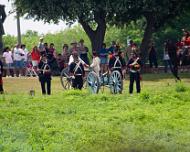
(153,61)
(134,77)
(78,82)
(1,85)
(44,84)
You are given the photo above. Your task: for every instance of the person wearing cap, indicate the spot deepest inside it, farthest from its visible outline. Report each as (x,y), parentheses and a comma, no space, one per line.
(117,62)
(44,73)
(76,70)
(134,65)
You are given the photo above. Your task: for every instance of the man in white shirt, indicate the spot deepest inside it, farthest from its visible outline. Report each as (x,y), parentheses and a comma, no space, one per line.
(18,59)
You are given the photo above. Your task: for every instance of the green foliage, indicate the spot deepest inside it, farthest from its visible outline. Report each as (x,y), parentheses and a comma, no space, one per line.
(180,87)
(78,121)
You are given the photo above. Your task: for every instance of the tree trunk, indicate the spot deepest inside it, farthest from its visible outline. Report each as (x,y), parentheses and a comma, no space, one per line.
(147,38)
(96,36)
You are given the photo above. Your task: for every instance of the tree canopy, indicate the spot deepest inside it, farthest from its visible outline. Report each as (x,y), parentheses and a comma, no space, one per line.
(95,15)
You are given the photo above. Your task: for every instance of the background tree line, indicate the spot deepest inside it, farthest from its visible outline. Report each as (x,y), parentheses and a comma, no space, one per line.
(122,35)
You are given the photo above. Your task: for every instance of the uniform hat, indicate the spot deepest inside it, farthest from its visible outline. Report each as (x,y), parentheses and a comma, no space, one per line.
(41,38)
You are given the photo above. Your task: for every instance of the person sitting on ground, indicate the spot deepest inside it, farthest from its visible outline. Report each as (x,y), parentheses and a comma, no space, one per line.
(134,65)
(44,73)
(7,55)
(117,62)
(96,64)
(76,70)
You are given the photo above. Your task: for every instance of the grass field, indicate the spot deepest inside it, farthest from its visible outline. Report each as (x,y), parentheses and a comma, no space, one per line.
(157,120)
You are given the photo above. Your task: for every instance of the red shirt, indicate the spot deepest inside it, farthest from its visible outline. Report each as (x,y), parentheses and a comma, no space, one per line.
(35,55)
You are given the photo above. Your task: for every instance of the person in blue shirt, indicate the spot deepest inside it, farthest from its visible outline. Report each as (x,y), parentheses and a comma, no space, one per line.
(103,54)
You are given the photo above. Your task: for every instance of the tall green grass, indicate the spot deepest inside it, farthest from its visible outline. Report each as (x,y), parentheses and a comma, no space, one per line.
(157,120)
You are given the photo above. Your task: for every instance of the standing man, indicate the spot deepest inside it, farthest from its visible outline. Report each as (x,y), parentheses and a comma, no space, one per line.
(2,19)
(44,75)
(134,66)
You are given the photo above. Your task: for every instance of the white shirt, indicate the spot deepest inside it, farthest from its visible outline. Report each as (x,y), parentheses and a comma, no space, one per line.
(96,65)
(71,59)
(8,57)
(17,55)
(25,57)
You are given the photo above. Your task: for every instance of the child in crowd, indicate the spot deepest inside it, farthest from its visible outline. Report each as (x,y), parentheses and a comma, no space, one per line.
(44,75)
(76,69)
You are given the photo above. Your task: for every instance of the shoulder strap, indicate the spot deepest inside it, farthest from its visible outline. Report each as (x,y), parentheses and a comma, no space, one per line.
(117,61)
(77,66)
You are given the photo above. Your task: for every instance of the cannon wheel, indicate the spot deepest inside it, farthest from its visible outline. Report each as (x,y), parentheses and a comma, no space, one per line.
(93,82)
(66,82)
(116,82)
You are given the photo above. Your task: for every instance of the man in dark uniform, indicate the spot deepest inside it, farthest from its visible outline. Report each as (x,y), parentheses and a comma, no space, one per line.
(116,61)
(77,72)
(2,19)
(44,75)
(134,65)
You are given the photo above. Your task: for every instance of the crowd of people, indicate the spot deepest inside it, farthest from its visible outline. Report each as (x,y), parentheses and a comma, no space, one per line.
(43,59)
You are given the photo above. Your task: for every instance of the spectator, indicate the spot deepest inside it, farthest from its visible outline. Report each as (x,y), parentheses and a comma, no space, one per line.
(83,51)
(152,56)
(112,49)
(51,50)
(18,60)
(103,54)
(167,61)
(96,64)
(25,58)
(129,49)
(60,62)
(41,46)
(35,57)
(7,55)
(65,54)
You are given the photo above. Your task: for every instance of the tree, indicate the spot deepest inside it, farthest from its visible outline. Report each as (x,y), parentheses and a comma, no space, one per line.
(92,15)
(155,13)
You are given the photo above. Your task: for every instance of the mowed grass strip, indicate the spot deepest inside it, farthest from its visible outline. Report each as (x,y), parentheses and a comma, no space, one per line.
(157,120)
